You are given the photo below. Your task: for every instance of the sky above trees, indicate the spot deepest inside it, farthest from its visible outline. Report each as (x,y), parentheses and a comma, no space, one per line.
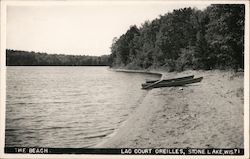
(80,29)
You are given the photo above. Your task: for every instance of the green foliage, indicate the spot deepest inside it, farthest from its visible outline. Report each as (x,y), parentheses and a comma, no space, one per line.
(185,39)
(225,34)
(24,58)
(186,59)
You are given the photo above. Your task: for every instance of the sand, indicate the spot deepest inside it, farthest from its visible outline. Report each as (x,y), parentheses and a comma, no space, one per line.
(209,114)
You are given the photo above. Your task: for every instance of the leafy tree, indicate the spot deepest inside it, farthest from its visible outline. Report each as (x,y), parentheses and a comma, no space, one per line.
(186,38)
(225,34)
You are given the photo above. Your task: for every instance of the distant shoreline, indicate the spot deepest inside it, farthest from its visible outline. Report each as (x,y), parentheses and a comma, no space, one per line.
(159,73)
(30,58)
(55,65)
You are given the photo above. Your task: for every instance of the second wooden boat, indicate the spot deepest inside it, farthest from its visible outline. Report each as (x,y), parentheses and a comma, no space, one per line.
(172,79)
(151,83)
(172,83)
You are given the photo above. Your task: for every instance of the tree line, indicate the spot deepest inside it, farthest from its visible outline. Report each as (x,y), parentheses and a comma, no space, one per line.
(25,58)
(186,38)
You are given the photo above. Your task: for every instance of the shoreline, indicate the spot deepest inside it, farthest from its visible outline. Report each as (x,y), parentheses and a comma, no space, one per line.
(159,73)
(206,115)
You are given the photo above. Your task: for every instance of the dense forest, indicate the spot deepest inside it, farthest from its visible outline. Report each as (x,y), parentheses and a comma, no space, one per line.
(25,58)
(186,38)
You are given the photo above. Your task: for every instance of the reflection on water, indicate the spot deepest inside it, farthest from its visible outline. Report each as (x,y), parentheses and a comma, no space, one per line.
(68,106)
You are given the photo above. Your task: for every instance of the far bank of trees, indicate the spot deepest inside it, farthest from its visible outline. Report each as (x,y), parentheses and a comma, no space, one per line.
(25,58)
(185,39)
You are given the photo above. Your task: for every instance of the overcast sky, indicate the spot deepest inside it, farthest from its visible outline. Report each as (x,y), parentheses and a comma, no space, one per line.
(79,29)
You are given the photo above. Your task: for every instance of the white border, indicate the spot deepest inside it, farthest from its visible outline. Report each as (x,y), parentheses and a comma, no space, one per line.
(246,82)
(3,77)
(5,3)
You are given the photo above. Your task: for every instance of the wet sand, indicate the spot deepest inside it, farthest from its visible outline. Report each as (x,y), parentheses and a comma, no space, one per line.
(209,114)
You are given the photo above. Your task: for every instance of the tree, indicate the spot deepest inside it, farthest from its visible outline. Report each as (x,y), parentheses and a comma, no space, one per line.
(186,38)
(225,34)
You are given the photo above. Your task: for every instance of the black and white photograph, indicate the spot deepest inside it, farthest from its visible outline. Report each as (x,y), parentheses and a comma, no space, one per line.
(124,78)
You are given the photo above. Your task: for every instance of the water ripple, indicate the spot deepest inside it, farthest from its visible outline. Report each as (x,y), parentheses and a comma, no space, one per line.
(68,106)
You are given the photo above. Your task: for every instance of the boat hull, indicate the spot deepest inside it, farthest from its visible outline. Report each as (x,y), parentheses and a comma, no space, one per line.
(173,83)
(173,79)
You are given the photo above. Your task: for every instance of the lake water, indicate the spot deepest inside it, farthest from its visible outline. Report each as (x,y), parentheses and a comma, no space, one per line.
(68,106)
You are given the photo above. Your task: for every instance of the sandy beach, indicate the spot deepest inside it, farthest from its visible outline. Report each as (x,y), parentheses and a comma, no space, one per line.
(208,114)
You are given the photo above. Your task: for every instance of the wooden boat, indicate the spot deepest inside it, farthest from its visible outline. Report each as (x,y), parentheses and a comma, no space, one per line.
(153,82)
(172,83)
(173,79)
